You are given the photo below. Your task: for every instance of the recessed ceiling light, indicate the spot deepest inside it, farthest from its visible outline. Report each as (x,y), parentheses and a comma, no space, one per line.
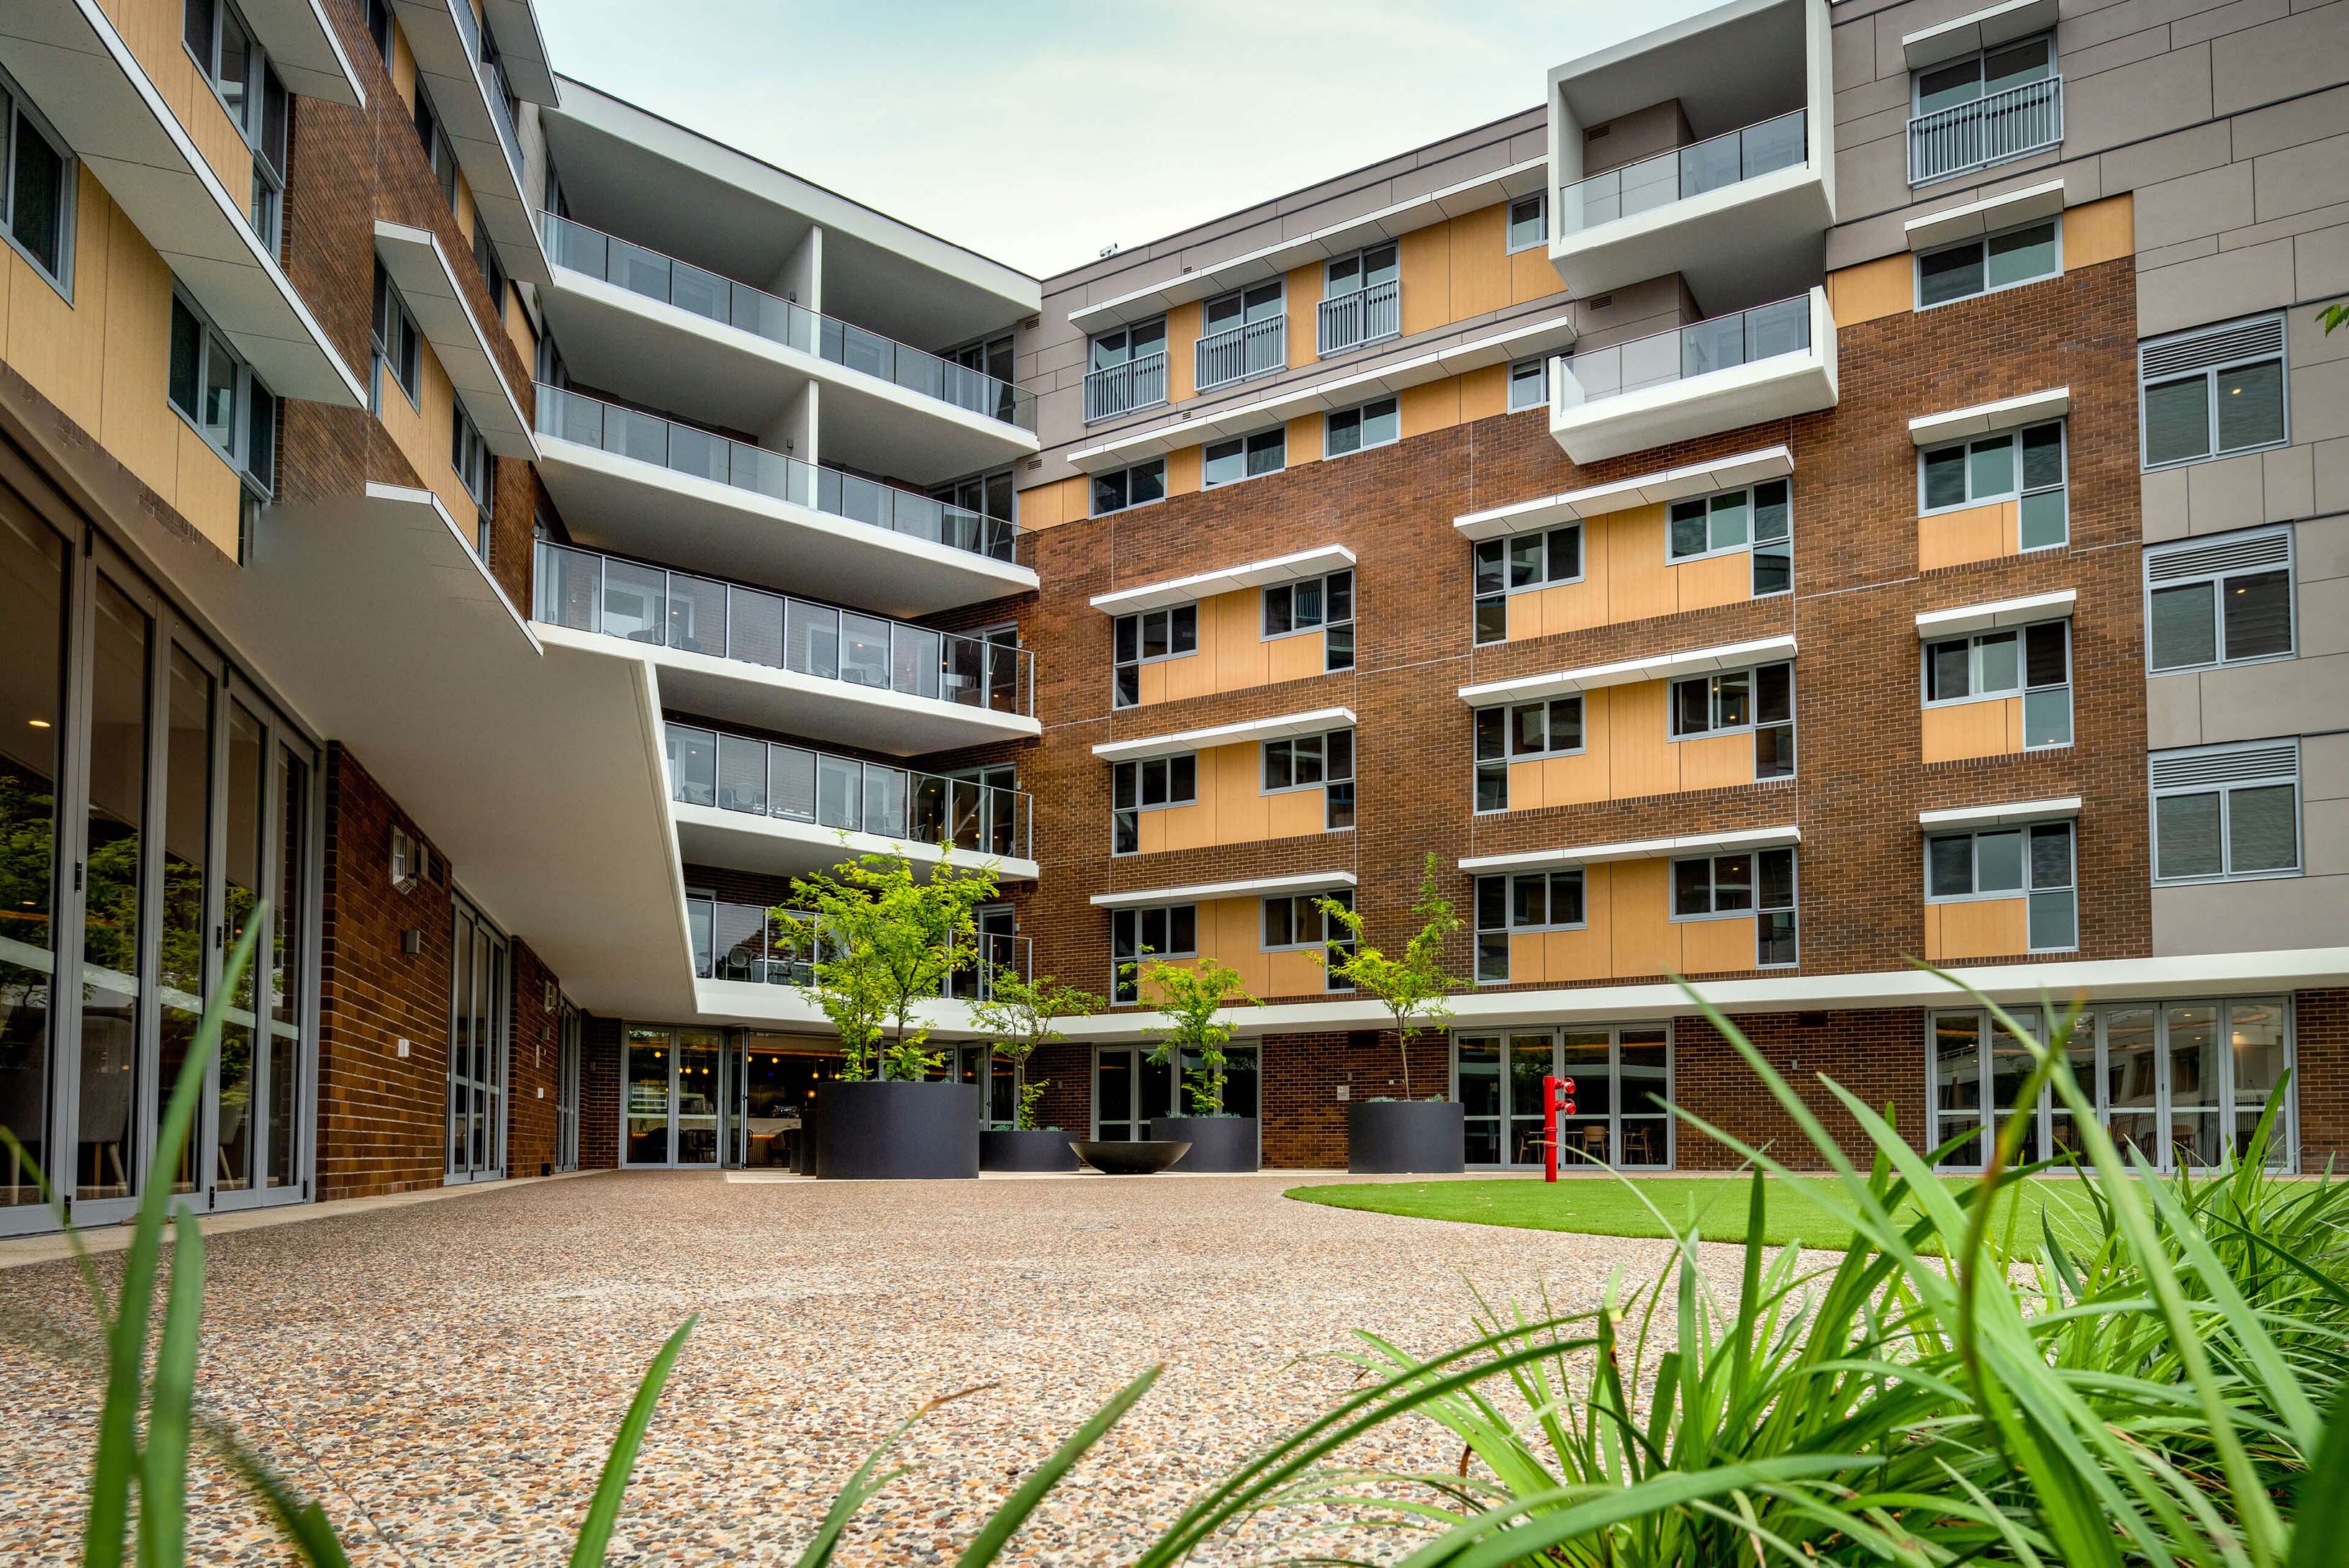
(38,723)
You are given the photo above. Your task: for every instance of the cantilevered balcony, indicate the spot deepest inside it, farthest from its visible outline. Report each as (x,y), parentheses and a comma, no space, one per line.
(773,662)
(1771,362)
(750,943)
(643,485)
(633,319)
(472,97)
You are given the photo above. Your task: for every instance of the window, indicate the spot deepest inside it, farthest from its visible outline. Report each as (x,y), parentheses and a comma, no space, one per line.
(2033,863)
(1519,564)
(378,27)
(1152,784)
(1138,935)
(1760,699)
(1761,885)
(2025,466)
(1324,604)
(2032,662)
(1752,519)
(493,272)
(2224,812)
(1266,452)
(1359,300)
(1137,486)
(1373,424)
(241,76)
(438,149)
(36,192)
(1144,638)
(1529,384)
(1326,762)
(1125,370)
(2002,261)
(221,397)
(1294,923)
(2015,108)
(2213,391)
(1525,900)
(471,458)
(1527,225)
(1243,335)
(397,343)
(1552,727)
(2218,602)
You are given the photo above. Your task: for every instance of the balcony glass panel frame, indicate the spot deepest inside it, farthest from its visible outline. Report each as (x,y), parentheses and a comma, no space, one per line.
(1771,331)
(1716,163)
(751,942)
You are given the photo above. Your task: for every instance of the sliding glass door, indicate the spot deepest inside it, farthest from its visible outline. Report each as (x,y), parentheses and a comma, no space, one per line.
(1130,1089)
(675,1086)
(1623,1094)
(480,1005)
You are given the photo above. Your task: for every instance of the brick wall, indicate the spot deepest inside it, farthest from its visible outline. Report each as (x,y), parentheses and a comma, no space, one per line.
(2321,1079)
(534,1062)
(599,1093)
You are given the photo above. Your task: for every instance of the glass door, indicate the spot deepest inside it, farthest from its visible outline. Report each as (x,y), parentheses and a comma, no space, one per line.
(566,1090)
(645,1098)
(1623,1095)
(674,1087)
(1130,1089)
(478,1013)
(698,1096)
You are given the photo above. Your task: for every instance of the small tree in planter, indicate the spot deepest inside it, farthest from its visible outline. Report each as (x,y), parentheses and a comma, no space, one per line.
(1020,1013)
(1193,995)
(1410,1134)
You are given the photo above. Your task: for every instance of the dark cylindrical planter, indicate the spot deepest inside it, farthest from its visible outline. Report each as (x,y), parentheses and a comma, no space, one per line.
(1217,1142)
(1392,1137)
(874,1129)
(1036,1149)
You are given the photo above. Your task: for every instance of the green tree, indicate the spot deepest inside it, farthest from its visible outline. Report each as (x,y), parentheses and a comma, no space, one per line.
(881,943)
(1020,1013)
(1193,993)
(1414,989)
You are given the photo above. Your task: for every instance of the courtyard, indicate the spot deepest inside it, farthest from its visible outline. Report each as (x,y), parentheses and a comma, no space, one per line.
(445,1375)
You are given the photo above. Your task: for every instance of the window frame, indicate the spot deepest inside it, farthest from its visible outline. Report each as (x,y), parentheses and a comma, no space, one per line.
(1751,494)
(2022,688)
(390,312)
(1125,477)
(1139,769)
(1714,728)
(1480,764)
(2225,789)
(1360,413)
(1126,988)
(1141,619)
(1479,934)
(1511,244)
(1296,903)
(1264,606)
(1539,365)
(2218,577)
(1792,908)
(269,172)
(1917,74)
(251,394)
(2208,374)
(2029,888)
(1916,266)
(1481,599)
(20,112)
(1246,446)
(2023,490)
(474,452)
(1360,258)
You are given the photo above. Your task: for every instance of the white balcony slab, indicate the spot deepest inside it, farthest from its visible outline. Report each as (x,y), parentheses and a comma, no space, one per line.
(306,49)
(2001,816)
(789,1010)
(1779,387)
(1933,429)
(1629,672)
(2003,211)
(692,524)
(1289,568)
(717,374)
(1470,351)
(1982,29)
(1647,489)
(1639,850)
(746,840)
(1766,233)
(732,691)
(1932,624)
(83,77)
(453,74)
(429,283)
(522,47)
(1200,893)
(1284,726)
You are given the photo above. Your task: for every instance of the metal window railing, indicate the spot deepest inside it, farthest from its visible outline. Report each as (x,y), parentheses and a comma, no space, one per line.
(588,592)
(1237,353)
(688,450)
(749,941)
(1991,129)
(1362,315)
(642,270)
(1729,159)
(1718,343)
(795,784)
(1122,389)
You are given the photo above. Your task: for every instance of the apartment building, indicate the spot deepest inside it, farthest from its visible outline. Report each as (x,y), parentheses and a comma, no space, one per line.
(1831,485)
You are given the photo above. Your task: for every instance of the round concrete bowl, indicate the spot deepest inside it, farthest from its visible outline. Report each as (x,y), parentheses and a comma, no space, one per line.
(1404,1137)
(1145,1157)
(897,1132)
(1218,1143)
(1034,1148)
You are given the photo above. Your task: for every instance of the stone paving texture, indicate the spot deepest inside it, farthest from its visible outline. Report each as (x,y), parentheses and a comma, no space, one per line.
(447,1376)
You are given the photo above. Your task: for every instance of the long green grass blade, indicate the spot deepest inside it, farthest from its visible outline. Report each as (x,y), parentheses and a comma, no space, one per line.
(990,1542)
(603,1511)
(2321,1525)
(163,1464)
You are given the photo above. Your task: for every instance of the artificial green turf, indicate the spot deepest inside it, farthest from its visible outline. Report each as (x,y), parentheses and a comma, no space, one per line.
(1599,1207)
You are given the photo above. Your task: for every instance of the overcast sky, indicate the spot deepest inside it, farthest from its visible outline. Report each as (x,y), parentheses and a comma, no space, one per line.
(1038,131)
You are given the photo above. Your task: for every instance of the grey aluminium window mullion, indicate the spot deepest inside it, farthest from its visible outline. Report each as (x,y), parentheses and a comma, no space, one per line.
(68,900)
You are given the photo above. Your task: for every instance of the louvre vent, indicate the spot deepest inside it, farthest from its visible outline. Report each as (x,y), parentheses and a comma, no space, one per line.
(2216,345)
(2174,561)
(2186,770)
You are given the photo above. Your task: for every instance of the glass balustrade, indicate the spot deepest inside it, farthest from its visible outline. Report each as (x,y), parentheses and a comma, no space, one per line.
(615,597)
(642,270)
(1713,164)
(1718,343)
(750,943)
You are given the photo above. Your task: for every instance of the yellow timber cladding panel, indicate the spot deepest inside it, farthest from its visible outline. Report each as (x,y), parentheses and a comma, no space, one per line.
(1233,807)
(1231,931)
(151,30)
(1977,928)
(1627,577)
(1234,654)
(1628,932)
(1990,728)
(1627,752)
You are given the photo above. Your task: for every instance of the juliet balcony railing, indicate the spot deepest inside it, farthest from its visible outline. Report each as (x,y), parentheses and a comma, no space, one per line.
(1992,128)
(587,592)
(1252,348)
(1718,343)
(703,454)
(646,271)
(795,784)
(1118,389)
(1361,316)
(1729,159)
(746,941)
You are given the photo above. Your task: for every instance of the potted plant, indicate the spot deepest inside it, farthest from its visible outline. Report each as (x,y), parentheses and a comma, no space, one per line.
(1384,1135)
(1019,1014)
(1192,994)
(883,942)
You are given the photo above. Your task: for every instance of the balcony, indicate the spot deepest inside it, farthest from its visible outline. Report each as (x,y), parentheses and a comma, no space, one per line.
(1771,362)
(634,482)
(1125,388)
(1359,316)
(1242,352)
(748,944)
(2015,123)
(475,112)
(616,307)
(786,809)
(775,662)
